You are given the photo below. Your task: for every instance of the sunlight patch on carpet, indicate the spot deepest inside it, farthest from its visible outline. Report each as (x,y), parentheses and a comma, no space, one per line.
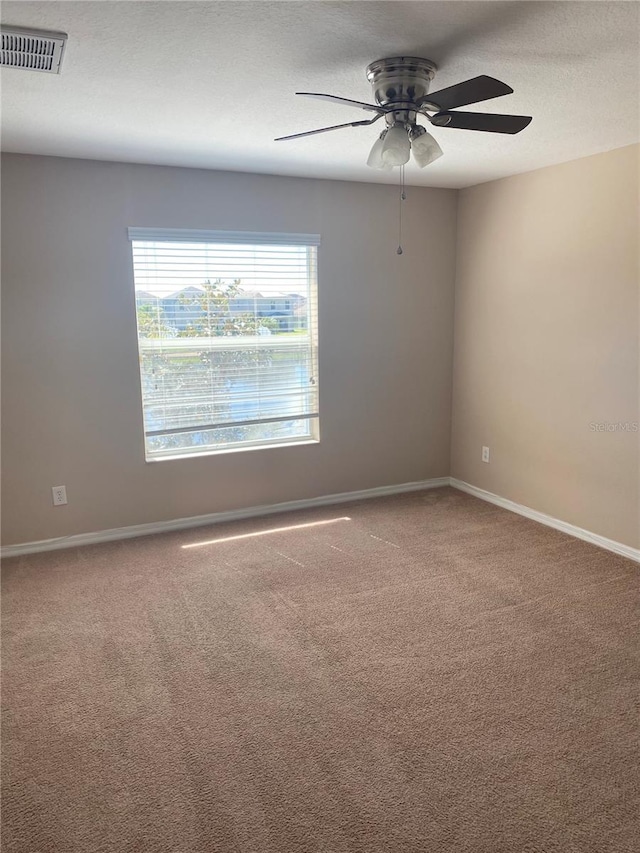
(266,532)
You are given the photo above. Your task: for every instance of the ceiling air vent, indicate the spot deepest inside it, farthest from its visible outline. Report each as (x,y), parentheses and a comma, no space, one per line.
(32,50)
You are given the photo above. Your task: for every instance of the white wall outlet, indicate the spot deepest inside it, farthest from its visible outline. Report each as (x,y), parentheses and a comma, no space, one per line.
(59,495)
(485,454)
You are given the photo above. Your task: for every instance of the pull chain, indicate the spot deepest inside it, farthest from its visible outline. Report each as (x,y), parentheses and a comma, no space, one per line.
(403,196)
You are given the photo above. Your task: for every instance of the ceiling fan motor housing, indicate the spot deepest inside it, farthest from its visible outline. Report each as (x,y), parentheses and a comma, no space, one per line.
(400,80)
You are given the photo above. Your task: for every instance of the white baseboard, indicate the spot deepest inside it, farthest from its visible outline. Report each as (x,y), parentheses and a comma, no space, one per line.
(324,500)
(543,518)
(213,518)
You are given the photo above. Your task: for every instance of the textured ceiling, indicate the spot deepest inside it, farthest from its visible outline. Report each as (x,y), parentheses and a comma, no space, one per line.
(210,84)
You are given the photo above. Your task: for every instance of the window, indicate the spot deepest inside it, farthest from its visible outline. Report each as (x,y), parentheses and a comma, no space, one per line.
(218,372)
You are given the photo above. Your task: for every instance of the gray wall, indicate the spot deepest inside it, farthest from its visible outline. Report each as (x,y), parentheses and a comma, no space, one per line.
(546,341)
(71,396)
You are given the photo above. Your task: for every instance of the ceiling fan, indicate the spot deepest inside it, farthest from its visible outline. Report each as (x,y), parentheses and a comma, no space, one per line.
(401,92)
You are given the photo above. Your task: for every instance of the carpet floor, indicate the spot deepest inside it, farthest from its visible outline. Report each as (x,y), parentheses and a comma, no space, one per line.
(424,672)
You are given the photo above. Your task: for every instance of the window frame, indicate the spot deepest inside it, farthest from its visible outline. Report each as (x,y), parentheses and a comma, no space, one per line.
(246,239)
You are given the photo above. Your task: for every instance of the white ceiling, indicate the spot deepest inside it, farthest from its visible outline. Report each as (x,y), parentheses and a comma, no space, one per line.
(210,84)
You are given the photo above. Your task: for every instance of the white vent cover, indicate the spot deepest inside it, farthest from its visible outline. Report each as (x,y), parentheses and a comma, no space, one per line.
(33,50)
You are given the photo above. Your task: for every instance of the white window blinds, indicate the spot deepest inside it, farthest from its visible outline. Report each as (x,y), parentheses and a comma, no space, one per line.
(227,336)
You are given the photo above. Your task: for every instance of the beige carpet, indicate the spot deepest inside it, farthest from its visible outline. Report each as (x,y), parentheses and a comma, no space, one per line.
(433,674)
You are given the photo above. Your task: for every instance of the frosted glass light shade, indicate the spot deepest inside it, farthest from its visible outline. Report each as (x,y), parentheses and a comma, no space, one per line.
(396,148)
(375,156)
(424,148)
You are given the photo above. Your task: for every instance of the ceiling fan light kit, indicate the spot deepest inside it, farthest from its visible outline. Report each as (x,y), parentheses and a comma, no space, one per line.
(396,147)
(424,147)
(400,87)
(393,147)
(375,155)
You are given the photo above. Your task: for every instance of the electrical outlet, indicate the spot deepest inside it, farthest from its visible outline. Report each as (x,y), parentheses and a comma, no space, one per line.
(59,495)
(485,454)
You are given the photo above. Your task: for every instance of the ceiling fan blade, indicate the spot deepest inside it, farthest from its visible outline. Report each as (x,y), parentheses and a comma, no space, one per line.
(325,129)
(490,122)
(339,100)
(472,91)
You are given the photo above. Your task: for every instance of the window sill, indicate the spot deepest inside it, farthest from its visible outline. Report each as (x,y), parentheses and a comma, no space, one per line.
(225,451)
